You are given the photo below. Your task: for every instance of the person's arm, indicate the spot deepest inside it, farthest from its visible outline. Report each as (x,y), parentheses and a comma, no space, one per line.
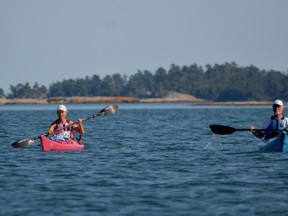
(257,133)
(286,123)
(51,129)
(78,127)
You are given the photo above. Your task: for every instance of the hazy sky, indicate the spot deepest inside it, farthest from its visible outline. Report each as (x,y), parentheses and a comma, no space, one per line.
(51,40)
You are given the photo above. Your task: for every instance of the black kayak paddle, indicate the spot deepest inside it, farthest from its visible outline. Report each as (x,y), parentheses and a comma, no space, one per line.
(226,130)
(22,143)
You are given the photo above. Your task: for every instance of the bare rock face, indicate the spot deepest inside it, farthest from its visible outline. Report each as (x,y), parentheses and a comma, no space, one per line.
(174,97)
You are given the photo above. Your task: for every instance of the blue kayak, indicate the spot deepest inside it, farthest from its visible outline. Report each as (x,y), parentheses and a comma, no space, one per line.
(277,144)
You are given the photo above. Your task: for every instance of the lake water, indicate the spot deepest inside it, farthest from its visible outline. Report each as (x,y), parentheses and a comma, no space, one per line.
(147,159)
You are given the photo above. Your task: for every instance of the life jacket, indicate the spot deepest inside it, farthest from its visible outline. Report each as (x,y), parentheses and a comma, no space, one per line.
(275,124)
(62,132)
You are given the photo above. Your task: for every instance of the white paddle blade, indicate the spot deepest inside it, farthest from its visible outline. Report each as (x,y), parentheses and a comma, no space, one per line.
(108,110)
(23,143)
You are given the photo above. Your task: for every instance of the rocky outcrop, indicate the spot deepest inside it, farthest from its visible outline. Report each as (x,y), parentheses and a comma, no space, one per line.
(173,97)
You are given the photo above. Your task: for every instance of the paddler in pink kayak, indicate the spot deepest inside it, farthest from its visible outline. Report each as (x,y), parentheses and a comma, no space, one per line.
(62,128)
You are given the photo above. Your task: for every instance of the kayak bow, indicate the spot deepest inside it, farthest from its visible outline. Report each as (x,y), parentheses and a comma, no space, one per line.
(59,145)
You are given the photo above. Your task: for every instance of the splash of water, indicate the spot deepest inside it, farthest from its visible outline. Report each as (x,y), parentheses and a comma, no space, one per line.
(214,144)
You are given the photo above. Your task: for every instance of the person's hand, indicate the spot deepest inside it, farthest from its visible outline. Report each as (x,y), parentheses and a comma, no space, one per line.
(251,128)
(49,132)
(80,126)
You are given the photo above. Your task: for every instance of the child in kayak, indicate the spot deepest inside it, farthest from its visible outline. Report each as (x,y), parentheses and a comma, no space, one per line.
(61,128)
(276,122)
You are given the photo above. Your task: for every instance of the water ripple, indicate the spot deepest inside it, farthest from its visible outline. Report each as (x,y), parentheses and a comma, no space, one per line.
(142,161)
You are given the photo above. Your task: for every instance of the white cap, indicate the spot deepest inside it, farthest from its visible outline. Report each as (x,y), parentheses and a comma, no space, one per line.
(278,102)
(62,107)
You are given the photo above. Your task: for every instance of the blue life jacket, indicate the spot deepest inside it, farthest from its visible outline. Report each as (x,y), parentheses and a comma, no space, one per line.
(275,124)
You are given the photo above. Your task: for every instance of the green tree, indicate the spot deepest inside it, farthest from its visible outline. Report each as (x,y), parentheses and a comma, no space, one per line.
(94,85)
(25,91)
(275,85)
(2,95)
(142,84)
(161,82)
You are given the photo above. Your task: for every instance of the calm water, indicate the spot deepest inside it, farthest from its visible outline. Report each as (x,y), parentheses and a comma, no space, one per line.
(148,159)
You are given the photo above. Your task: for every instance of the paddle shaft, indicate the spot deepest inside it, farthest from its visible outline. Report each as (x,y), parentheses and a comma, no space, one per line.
(247,129)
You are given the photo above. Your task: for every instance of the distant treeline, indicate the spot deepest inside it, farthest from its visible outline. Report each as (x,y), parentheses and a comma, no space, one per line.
(224,82)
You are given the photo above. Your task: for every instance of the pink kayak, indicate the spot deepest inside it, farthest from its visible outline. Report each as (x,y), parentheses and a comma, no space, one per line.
(59,145)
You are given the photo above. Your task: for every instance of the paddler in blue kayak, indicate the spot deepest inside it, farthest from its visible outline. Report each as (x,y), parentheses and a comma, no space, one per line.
(61,128)
(276,122)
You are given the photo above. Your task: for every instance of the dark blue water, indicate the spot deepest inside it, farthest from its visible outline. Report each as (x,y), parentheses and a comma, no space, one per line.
(148,159)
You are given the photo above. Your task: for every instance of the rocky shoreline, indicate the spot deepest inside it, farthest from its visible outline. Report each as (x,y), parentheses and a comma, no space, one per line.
(175,98)
(171,97)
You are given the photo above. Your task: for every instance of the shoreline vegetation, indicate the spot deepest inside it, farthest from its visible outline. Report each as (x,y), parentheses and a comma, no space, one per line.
(171,97)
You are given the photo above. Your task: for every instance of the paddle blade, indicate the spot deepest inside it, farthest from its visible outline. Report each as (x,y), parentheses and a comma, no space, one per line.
(222,129)
(23,143)
(108,110)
